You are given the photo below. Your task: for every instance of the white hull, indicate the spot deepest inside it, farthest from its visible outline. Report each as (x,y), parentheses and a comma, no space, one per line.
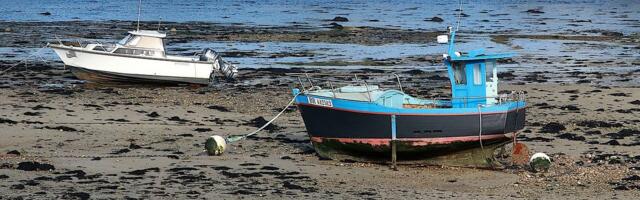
(178,69)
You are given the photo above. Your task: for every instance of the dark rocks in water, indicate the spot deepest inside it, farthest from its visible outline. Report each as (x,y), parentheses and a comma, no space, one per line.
(41,107)
(260,121)
(506,75)
(220,168)
(121,151)
(118,120)
(583,81)
(291,186)
(230,174)
(624,133)
(286,158)
(242,192)
(34,166)
(612,142)
(141,172)
(534,11)
(13,152)
(153,114)
(77,195)
(77,173)
(179,169)
(612,34)
(17,187)
(537,139)
(218,108)
(596,132)
(97,107)
(552,127)
(186,135)
(570,107)
(414,72)
(339,19)
(619,94)
(571,136)
(3,177)
(45,13)
(636,102)
(134,146)
(571,91)
(7,121)
(595,124)
(249,164)
(269,168)
(581,21)
(61,128)
(177,119)
(434,19)
(202,130)
(544,106)
(173,157)
(438,78)
(335,26)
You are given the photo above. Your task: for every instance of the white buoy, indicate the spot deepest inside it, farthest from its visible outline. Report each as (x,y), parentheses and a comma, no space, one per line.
(540,162)
(215,145)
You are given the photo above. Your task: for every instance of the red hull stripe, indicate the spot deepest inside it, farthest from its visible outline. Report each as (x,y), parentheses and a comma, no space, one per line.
(413,141)
(406,114)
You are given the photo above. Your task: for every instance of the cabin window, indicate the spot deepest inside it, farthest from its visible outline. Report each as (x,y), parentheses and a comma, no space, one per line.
(459,73)
(489,66)
(133,51)
(99,48)
(477,74)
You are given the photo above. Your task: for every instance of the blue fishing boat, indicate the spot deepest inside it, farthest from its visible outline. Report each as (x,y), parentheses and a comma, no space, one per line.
(366,122)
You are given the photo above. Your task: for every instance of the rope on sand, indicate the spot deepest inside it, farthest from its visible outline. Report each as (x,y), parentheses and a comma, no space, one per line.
(215,145)
(25,60)
(235,138)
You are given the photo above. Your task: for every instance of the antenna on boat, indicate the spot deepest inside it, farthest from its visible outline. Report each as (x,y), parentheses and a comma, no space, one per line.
(159,23)
(459,16)
(139,5)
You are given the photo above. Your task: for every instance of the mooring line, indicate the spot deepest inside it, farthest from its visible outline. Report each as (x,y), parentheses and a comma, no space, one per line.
(25,60)
(235,138)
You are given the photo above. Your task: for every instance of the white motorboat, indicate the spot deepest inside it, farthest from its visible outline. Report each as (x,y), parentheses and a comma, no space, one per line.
(141,57)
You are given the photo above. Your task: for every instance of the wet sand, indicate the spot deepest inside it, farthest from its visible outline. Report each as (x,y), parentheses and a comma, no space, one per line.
(64,138)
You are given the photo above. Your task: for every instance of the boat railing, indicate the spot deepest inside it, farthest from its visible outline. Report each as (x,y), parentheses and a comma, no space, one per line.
(81,42)
(356,78)
(309,83)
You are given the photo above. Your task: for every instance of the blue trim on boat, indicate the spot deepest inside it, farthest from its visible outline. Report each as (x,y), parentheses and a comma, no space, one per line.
(372,107)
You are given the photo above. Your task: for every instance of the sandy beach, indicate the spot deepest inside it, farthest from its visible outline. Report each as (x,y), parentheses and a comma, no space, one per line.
(64,138)
(92,137)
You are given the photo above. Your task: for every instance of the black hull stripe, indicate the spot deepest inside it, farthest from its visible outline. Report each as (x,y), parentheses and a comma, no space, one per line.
(333,123)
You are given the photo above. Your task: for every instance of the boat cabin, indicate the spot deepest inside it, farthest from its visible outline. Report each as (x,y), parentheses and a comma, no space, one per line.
(142,43)
(474,78)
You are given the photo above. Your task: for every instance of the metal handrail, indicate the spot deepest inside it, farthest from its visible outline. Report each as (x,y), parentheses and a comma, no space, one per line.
(513,96)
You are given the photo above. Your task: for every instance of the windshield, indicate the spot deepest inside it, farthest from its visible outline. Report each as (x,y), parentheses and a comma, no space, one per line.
(124,41)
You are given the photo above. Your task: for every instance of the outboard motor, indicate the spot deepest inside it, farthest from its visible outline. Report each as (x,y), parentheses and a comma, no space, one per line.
(228,70)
